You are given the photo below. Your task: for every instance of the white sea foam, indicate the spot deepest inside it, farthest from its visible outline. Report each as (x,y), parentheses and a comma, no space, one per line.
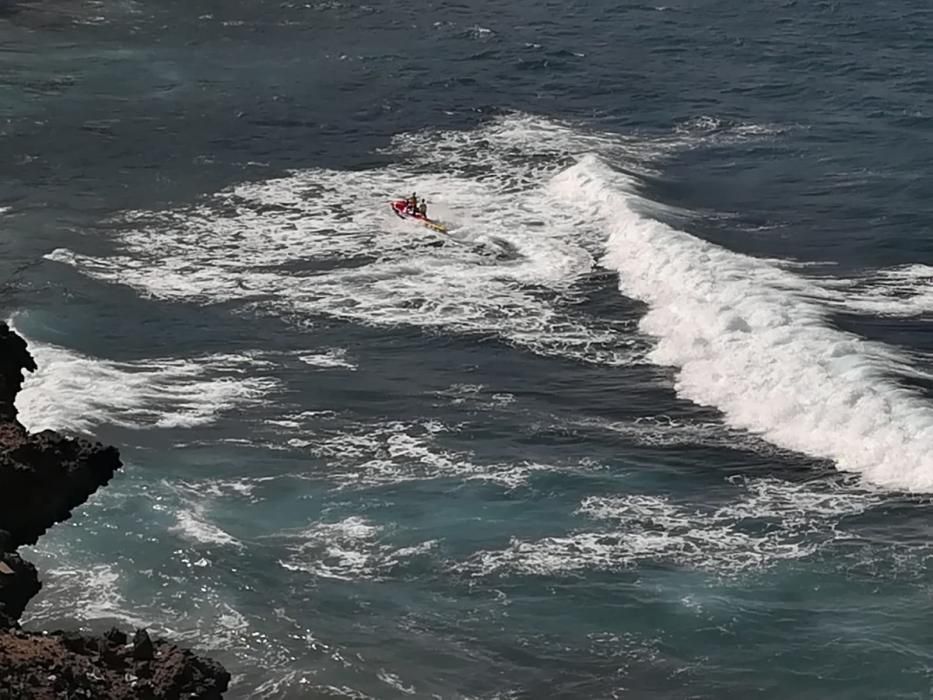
(392,452)
(476,395)
(214,488)
(278,686)
(747,336)
(195,499)
(93,592)
(329,359)
(394,681)
(293,247)
(343,692)
(755,342)
(350,549)
(480,33)
(193,524)
(665,431)
(902,291)
(709,130)
(76,392)
(77,587)
(772,521)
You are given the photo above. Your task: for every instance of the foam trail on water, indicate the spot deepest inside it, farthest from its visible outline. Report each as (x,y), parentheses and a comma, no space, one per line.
(754,341)
(192,524)
(348,550)
(902,291)
(771,521)
(323,243)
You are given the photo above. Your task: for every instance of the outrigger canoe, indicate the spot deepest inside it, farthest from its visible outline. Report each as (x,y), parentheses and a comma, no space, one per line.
(400,207)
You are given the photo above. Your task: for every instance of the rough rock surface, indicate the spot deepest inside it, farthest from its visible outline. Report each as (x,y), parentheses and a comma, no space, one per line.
(68,665)
(43,477)
(19,582)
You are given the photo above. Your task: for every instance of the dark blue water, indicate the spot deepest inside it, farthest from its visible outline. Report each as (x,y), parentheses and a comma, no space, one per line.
(654,421)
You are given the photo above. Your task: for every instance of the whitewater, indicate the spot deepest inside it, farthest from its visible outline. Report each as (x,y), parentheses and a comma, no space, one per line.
(755,342)
(750,337)
(654,422)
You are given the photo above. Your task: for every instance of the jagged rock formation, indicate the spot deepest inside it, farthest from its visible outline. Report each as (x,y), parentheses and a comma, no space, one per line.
(19,582)
(14,358)
(68,665)
(43,477)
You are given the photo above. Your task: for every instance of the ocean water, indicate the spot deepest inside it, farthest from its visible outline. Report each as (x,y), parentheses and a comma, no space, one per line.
(655,422)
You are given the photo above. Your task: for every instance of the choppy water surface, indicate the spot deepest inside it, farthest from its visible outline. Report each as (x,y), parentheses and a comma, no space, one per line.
(655,421)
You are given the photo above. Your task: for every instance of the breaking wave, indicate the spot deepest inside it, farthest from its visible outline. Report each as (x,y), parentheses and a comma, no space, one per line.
(755,341)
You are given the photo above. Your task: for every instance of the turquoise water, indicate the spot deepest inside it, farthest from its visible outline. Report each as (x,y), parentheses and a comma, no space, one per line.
(655,423)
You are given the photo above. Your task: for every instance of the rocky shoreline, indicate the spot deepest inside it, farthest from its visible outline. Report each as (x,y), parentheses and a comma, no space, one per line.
(43,477)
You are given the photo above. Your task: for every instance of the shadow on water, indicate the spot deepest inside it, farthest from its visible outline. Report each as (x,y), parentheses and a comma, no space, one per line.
(39,14)
(9,8)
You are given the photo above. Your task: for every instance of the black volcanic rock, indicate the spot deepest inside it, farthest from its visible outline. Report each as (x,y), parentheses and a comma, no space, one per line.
(19,582)
(142,646)
(14,358)
(43,477)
